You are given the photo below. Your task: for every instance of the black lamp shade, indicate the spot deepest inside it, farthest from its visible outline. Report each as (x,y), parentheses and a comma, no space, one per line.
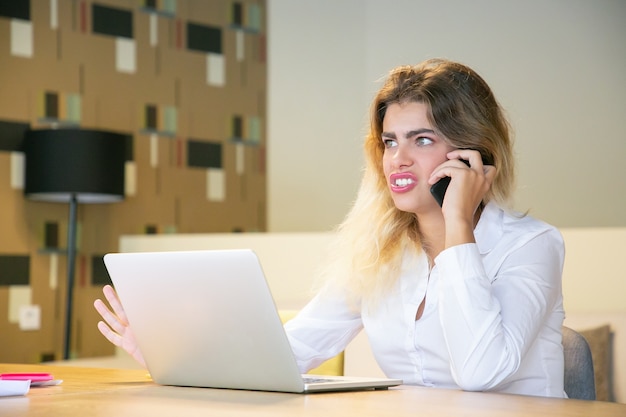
(86,164)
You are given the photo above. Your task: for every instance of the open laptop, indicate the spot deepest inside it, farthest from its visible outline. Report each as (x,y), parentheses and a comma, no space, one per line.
(208,319)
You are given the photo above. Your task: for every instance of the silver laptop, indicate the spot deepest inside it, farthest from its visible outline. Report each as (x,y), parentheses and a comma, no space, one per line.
(208,319)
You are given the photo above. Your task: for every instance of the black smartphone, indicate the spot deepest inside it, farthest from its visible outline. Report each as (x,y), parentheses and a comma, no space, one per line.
(438,189)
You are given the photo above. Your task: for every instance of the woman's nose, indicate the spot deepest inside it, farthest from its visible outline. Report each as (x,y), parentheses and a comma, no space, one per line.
(402,157)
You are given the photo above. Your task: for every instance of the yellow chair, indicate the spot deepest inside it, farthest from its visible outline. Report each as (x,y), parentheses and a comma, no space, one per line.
(333,366)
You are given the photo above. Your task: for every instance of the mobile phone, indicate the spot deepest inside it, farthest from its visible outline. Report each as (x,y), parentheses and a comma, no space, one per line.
(438,189)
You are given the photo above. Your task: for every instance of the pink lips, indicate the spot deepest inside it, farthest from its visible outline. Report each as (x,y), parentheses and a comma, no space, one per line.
(402,182)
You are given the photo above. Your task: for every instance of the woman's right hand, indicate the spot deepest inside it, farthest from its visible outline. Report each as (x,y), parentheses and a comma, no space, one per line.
(116,329)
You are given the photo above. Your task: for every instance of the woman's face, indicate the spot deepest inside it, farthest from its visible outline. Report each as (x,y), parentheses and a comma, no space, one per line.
(412,151)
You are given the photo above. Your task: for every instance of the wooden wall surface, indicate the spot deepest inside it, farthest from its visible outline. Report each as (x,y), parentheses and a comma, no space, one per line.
(186,81)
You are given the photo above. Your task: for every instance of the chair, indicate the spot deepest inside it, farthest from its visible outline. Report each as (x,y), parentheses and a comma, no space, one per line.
(579,374)
(333,366)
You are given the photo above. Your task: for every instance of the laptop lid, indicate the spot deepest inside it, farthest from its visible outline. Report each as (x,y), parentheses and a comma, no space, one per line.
(208,319)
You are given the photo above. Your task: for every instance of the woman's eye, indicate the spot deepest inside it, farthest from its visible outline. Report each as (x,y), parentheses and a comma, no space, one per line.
(422,141)
(389,143)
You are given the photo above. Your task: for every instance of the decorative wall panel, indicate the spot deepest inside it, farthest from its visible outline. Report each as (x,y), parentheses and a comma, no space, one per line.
(185,80)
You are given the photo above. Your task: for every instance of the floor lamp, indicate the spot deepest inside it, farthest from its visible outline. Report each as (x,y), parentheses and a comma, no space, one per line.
(74,166)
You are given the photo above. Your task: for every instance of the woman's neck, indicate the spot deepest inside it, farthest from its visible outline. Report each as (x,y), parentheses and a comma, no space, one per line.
(432,231)
(432,234)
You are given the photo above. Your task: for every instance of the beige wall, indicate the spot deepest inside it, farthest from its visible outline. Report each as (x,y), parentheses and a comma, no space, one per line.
(557,66)
(593,280)
(593,277)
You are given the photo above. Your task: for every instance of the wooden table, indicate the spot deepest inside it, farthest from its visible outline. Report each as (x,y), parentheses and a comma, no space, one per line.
(106,392)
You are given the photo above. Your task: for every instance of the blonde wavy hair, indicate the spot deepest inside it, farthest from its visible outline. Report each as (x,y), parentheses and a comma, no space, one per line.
(375,235)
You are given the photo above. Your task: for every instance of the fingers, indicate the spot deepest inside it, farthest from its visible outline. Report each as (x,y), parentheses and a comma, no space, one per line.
(448,168)
(116,321)
(470,182)
(471,156)
(115,304)
(472,159)
(115,327)
(109,334)
(113,321)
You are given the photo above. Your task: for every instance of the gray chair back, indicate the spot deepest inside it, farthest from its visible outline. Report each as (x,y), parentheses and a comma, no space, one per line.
(579,375)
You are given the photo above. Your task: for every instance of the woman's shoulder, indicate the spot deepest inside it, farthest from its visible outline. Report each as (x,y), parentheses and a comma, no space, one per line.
(500,225)
(524,222)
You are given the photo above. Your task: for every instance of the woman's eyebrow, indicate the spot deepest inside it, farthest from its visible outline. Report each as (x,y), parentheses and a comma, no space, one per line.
(408,134)
(419,132)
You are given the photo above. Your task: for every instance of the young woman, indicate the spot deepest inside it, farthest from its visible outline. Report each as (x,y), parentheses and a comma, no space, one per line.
(465,295)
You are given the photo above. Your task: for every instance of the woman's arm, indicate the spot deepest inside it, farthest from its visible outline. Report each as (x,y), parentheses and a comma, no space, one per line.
(489,323)
(322,329)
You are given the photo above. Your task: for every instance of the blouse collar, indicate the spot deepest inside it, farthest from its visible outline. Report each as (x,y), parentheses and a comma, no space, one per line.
(488,231)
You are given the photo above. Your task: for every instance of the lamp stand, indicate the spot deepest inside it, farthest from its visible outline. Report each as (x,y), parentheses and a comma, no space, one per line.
(71,267)
(74,165)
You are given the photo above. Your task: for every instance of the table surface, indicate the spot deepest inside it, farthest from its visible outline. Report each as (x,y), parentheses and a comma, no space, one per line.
(130,392)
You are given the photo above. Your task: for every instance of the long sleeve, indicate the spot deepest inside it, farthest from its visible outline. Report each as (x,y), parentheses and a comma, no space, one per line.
(494,307)
(322,329)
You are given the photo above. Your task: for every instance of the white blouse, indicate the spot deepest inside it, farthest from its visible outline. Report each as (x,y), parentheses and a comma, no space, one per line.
(492,318)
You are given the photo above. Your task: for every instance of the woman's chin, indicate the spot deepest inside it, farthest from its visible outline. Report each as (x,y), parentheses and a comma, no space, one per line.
(415,207)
